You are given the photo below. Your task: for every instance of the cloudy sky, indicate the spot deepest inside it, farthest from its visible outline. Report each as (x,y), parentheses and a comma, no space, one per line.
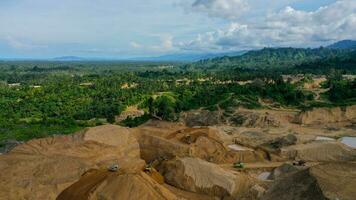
(130,28)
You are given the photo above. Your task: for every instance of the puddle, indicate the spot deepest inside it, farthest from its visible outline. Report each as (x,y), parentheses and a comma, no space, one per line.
(322,138)
(236,147)
(264,176)
(349,141)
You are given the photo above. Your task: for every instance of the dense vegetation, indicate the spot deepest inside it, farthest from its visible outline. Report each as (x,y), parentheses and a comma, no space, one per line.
(270,58)
(345,62)
(40,98)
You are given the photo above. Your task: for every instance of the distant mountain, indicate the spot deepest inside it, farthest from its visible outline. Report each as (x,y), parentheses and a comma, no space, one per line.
(69,58)
(270,58)
(344,44)
(345,62)
(188,57)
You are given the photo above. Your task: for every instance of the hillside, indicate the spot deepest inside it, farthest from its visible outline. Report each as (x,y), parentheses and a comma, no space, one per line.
(189,57)
(268,58)
(68,58)
(344,44)
(346,62)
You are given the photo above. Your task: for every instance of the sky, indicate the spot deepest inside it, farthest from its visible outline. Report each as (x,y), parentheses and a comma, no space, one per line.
(135,28)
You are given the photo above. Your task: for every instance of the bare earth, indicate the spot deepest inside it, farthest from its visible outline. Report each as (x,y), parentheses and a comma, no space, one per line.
(193,159)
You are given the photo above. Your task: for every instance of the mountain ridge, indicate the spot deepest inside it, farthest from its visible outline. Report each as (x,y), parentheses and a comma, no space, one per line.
(343,44)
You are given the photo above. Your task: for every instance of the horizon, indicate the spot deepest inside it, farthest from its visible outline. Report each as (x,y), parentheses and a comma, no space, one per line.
(124,30)
(155,58)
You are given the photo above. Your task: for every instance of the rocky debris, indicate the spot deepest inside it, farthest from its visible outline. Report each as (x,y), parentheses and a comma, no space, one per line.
(105,185)
(254,119)
(196,175)
(285,141)
(240,117)
(298,186)
(256,192)
(280,142)
(7,145)
(201,118)
(319,116)
(321,182)
(319,151)
(282,171)
(42,168)
(252,138)
(113,168)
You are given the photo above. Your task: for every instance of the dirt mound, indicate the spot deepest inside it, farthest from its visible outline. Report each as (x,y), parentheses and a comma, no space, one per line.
(320,151)
(282,171)
(336,180)
(154,147)
(47,166)
(208,145)
(274,145)
(111,186)
(350,113)
(254,119)
(319,116)
(233,117)
(204,143)
(252,138)
(321,182)
(201,118)
(298,186)
(199,176)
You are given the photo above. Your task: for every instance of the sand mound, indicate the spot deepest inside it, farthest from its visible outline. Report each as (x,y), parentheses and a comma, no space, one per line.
(319,116)
(154,147)
(298,186)
(336,180)
(41,169)
(199,176)
(209,144)
(112,186)
(320,151)
(204,143)
(321,182)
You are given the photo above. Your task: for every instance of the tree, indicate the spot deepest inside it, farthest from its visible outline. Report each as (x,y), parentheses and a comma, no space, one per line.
(164,107)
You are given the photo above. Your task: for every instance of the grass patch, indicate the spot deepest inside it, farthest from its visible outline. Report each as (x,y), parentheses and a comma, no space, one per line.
(25,132)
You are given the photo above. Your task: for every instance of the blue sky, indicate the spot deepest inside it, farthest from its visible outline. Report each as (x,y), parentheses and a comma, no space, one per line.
(131,28)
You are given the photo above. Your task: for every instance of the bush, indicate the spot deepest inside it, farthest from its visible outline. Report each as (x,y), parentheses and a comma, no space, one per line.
(137,121)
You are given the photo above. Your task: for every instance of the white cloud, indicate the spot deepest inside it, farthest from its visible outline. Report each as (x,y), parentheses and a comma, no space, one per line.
(21,45)
(165,45)
(135,45)
(229,9)
(288,27)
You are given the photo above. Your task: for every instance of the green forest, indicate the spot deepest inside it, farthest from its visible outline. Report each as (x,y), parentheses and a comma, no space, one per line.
(41,98)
